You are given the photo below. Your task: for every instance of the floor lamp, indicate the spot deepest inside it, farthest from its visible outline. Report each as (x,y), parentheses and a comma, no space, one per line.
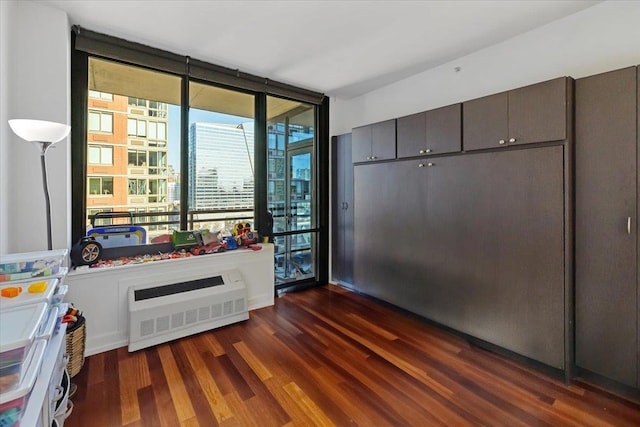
(47,134)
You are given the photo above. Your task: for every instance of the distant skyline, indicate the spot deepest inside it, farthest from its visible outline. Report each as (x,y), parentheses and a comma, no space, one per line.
(195,116)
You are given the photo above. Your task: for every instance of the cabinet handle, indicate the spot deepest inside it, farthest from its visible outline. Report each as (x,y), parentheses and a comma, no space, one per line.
(423,151)
(346,205)
(501,142)
(430,164)
(373,157)
(428,150)
(421,165)
(628,225)
(512,140)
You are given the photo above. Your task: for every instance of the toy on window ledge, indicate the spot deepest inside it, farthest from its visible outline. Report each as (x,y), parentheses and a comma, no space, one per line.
(87,251)
(243,234)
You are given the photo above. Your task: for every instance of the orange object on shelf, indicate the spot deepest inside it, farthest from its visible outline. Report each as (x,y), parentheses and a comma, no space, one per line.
(11,291)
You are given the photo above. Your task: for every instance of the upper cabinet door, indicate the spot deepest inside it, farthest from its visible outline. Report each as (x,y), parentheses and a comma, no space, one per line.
(374,142)
(412,135)
(485,122)
(538,113)
(383,140)
(444,129)
(361,144)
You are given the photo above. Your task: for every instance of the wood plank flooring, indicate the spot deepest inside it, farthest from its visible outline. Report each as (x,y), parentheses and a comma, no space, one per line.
(330,357)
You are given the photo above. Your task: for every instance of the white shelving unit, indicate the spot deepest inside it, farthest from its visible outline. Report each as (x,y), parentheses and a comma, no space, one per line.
(47,391)
(38,412)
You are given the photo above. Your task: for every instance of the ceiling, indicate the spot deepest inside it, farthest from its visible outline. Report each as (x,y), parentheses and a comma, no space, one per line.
(340,48)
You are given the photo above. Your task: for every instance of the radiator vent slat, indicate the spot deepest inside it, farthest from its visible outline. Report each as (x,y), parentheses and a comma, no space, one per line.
(227,308)
(177,320)
(216,310)
(192,316)
(204,313)
(147,327)
(162,324)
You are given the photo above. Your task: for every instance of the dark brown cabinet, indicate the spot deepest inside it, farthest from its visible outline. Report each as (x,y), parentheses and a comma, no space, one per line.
(498,272)
(607,225)
(535,113)
(485,122)
(389,248)
(374,142)
(456,249)
(342,210)
(437,131)
(412,135)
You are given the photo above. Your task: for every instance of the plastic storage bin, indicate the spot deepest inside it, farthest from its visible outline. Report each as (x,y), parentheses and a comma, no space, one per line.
(30,265)
(33,292)
(13,403)
(18,329)
(58,297)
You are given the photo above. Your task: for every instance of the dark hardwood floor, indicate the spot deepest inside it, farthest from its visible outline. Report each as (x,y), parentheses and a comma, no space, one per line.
(327,356)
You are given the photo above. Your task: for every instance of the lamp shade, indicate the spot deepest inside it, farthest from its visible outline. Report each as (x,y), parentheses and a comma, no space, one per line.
(39,130)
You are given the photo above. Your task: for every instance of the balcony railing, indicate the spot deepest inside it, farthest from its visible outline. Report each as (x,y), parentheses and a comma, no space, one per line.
(170,218)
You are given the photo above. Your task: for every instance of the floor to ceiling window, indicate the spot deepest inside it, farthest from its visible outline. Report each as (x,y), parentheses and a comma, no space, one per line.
(221,157)
(171,143)
(133,148)
(291,187)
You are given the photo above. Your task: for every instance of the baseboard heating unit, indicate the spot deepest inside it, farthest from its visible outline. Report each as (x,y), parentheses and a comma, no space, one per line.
(159,314)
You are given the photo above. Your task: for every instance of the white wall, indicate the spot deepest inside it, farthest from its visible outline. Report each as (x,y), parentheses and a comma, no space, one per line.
(601,38)
(5,12)
(36,69)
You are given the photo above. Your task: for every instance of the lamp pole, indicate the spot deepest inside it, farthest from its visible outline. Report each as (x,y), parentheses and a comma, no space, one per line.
(45,186)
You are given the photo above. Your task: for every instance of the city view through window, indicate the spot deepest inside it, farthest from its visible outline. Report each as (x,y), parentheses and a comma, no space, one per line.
(133,162)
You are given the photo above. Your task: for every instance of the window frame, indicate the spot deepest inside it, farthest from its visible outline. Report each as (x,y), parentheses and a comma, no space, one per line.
(100,115)
(101,179)
(101,148)
(189,69)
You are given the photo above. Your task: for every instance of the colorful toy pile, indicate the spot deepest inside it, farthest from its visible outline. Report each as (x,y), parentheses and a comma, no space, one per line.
(192,243)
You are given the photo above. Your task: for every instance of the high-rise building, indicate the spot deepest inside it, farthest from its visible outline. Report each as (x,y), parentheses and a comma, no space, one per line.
(127,150)
(221,166)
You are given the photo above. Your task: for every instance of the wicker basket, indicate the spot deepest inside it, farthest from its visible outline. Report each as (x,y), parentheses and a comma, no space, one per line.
(76,337)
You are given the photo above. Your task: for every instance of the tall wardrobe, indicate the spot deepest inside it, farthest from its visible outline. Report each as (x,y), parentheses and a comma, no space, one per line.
(607,158)
(342,210)
(513,219)
(465,219)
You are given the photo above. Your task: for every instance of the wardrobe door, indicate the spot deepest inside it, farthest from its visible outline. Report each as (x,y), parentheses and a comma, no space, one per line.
(606,225)
(497,221)
(342,210)
(390,203)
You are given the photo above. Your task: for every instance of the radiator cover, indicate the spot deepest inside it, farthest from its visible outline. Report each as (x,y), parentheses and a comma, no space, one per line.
(158,314)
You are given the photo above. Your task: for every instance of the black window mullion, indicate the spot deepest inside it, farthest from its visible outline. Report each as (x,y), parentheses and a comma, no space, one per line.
(322,202)
(79,104)
(184,154)
(260,166)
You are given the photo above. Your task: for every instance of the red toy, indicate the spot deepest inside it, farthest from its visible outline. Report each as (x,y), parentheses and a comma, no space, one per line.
(209,248)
